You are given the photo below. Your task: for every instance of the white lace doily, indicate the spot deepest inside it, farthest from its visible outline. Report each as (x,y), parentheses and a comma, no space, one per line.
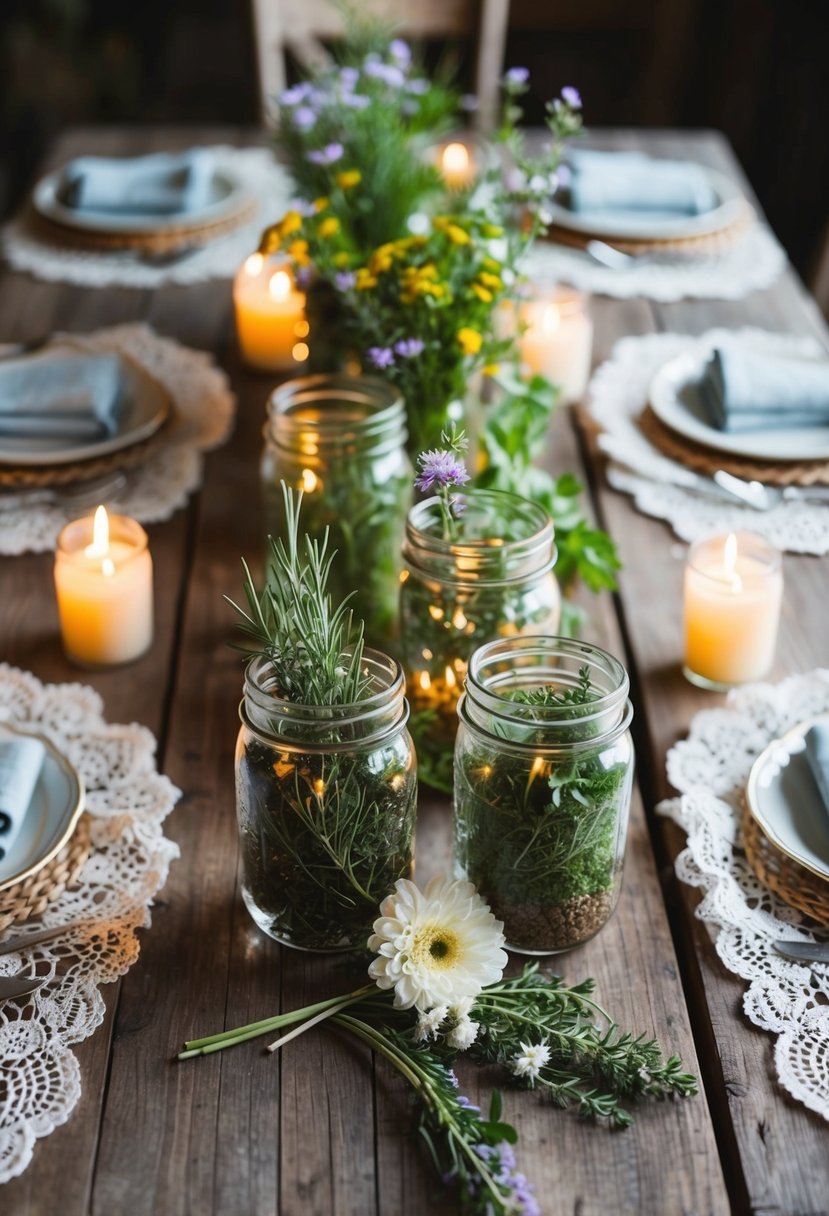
(128,801)
(203,412)
(265,181)
(751,263)
(710,769)
(617,395)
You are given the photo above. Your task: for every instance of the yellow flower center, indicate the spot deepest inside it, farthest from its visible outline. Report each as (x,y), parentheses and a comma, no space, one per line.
(436,947)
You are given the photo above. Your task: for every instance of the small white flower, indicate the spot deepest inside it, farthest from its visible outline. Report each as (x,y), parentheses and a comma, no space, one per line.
(461,1009)
(437,946)
(531,1060)
(429,1024)
(462,1035)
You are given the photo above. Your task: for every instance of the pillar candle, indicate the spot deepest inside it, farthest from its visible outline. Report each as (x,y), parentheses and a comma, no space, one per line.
(270,315)
(733,594)
(104,585)
(557,340)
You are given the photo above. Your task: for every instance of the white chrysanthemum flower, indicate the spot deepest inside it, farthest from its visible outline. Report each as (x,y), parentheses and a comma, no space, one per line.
(429,1024)
(531,1060)
(462,1008)
(437,946)
(462,1035)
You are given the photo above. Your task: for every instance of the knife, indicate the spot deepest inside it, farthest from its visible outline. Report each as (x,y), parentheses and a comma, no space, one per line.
(42,935)
(803,952)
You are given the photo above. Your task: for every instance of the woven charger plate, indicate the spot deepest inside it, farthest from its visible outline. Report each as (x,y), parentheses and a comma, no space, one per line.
(795,884)
(31,896)
(707,460)
(713,242)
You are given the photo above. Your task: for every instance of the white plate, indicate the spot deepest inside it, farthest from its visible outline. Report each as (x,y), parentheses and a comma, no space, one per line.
(784,798)
(53,813)
(144,407)
(228,195)
(653,226)
(675,403)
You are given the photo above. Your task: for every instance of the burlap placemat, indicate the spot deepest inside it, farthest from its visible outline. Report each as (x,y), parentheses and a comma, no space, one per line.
(707,460)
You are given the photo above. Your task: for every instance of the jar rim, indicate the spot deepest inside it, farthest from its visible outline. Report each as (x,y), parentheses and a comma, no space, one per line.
(337,712)
(534,515)
(380,404)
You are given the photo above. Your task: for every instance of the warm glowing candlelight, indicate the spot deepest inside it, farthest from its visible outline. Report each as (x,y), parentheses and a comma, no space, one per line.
(104,585)
(557,341)
(270,315)
(457,165)
(733,594)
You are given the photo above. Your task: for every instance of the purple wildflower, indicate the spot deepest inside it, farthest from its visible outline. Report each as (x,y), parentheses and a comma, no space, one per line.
(349,77)
(418,86)
(380,356)
(304,118)
(439,470)
(327,155)
(304,276)
(458,505)
(387,72)
(484,1151)
(294,95)
(401,52)
(301,205)
(571,96)
(344,280)
(453,1080)
(462,1098)
(516,78)
(355,101)
(408,348)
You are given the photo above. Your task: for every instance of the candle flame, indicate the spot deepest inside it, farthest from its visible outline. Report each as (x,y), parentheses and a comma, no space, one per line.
(310,481)
(537,768)
(550,320)
(279,286)
(254,264)
(455,159)
(451,678)
(730,562)
(100,535)
(424,680)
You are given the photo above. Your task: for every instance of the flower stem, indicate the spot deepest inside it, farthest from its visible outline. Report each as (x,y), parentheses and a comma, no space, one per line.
(320,1017)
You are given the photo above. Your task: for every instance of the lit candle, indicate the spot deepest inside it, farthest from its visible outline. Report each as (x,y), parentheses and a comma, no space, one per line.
(557,341)
(104,584)
(270,315)
(733,593)
(457,165)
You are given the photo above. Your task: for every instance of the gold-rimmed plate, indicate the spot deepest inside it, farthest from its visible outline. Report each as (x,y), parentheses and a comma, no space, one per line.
(783,798)
(56,806)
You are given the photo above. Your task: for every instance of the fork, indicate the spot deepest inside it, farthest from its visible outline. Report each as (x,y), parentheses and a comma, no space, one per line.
(765,498)
(12,987)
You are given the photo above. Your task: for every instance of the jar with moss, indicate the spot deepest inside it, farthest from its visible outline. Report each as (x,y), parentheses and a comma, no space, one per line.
(325,798)
(543,775)
(491,577)
(341,440)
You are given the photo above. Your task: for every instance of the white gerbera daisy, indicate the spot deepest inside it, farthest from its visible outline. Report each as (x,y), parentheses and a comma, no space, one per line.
(531,1060)
(437,946)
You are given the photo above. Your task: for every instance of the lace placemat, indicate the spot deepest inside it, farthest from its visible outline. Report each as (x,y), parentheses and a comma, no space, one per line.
(29,247)
(617,395)
(128,801)
(203,412)
(751,262)
(710,769)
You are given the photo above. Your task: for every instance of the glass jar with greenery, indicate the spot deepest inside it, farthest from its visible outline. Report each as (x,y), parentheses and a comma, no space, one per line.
(341,440)
(326,782)
(486,574)
(543,774)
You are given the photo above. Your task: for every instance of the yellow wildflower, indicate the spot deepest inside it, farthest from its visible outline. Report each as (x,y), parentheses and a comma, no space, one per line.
(341,259)
(298,250)
(320,204)
(483,293)
(491,264)
(440,222)
(290,222)
(492,230)
(349,178)
(458,235)
(433,289)
(365,279)
(329,226)
(492,369)
(470,340)
(381,259)
(490,280)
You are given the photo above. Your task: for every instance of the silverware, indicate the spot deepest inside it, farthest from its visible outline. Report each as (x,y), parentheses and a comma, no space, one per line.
(764,498)
(694,483)
(617,259)
(106,488)
(24,940)
(803,952)
(14,986)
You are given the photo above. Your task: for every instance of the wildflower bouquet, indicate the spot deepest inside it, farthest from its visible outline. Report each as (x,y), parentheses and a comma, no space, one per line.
(437,992)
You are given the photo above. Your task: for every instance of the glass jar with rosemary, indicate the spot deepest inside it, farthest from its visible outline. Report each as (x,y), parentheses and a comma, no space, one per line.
(543,774)
(341,440)
(484,573)
(326,782)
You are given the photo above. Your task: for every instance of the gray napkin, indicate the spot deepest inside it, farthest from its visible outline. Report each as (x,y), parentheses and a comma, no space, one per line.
(20,763)
(747,391)
(630,181)
(60,396)
(817,753)
(161,184)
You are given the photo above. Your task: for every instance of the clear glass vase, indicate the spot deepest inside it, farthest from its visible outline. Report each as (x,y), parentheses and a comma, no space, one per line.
(542,787)
(495,581)
(341,440)
(325,801)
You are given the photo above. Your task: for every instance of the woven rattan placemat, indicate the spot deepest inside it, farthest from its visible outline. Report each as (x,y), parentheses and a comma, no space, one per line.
(712,242)
(31,896)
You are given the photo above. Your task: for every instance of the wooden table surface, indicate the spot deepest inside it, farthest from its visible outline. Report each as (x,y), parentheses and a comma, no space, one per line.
(322,1129)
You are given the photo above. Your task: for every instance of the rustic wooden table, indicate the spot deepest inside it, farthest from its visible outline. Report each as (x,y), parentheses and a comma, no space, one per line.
(323,1130)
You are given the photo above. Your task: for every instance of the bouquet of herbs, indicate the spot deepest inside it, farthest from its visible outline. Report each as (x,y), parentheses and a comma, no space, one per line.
(438,991)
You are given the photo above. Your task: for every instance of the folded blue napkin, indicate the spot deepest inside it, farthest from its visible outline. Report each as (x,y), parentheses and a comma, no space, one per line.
(817,753)
(20,763)
(743,390)
(60,396)
(162,184)
(630,181)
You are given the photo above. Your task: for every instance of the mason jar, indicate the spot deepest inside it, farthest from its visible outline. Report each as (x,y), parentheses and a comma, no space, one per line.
(543,775)
(495,580)
(325,801)
(341,440)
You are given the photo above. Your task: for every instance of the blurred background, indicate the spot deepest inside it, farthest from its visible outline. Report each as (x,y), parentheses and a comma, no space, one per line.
(756,69)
